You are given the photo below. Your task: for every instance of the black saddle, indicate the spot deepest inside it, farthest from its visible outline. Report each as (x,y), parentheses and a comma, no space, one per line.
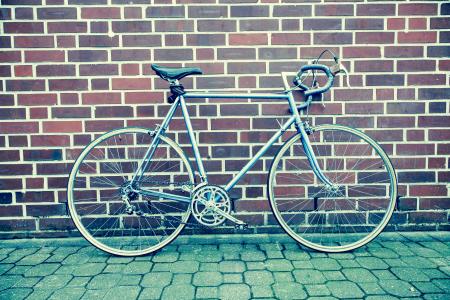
(168,73)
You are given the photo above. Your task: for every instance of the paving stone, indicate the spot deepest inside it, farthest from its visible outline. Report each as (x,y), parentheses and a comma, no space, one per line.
(383,297)
(302,264)
(209,256)
(79,281)
(372,263)
(104,281)
(443,284)
(206,292)
(41,270)
(32,260)
(179,292)
(309,276)
(418,262)
(289,290)
(410,274)
(5,268)
(262,291)
(130,280)
(426,287)
(185,266)
(207,279)
(165,256)
(279,265)
(348,263)
(209,266)
(399,288)
(333,275)
(383,253)
(89,269)
(296,255)
(123,292)
(18,270)
(161,267)
(114,268)
(18,255)
(344,289)
(384,275)
(39,294)
(94,294)
(231,266)
(54,281)
(156,279)
(274,254)
(255,265)
(436,297)
(27,282)
(234,292)
(182,279)
(68,293)
(317,290)
(325,264)
(258,277)
(359,275)
(434,274)
(232,278)
(119,260)
(371,288)
(76,259)
(249,255)
(15,293)
(151,293)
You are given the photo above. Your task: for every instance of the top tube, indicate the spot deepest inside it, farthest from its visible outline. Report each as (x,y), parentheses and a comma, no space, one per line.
(237,95)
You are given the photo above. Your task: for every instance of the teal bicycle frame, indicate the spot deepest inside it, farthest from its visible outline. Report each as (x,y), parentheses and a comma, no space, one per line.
(180,101)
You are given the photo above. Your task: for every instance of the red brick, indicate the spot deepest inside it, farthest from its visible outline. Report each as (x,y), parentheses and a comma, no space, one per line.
(23,27)
(23,71)
(339,38)
(33,42)
(50,140)
(329,9)
(62,126)
(10,56)
(416,65)
(426,79)
(102,126)
(417,37)
(248,39)
(425,9)
(291,38)
(415,149)
(417,23)
(361,52)
(38,113)
(44,56)
(100,13)
(67,27)
(395,23)
(131,83)
(68,84)
(375,9)
(403,51)
(374,37)
(143,97)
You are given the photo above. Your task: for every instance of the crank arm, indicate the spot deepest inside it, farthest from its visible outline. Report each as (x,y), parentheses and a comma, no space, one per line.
(224,214)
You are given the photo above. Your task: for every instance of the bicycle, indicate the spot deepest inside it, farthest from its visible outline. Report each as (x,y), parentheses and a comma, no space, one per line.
(132,190)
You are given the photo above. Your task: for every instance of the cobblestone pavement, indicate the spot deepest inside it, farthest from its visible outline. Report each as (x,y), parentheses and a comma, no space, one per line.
(407,265)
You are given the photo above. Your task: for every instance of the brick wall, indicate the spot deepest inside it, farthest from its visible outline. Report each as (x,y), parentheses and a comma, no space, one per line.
(72,68)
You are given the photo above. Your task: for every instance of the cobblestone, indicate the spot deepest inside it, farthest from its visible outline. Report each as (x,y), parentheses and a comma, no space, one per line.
(410,265)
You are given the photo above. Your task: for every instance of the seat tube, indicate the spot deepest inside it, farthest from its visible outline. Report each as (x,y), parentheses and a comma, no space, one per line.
(191,134)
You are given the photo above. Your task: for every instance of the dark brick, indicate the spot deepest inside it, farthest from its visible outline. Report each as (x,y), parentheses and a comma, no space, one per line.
(236,53)
(174,26)
(322,24)
(56,13)
(98,41)
(411,9)
(46,210)
(246,68)
(132,26)
(277,53)
(68,84)
(205,39)
(364,24)
(215,82)
(98,69)
(434,93)
(66,27)
(385,80)
(5,198)
(5,42)
(141,40)
(12,113)
(87,55)
(35,196)
(216,25)
(249,11)
(207,11)
(239,110)
(292,11)
(71,112)
(434,121)
(173,54)
(24,13)
(416,176)
(405,108)
(130,55)
(55,70)
(438,51)
(375,10)
(23,27)
(403,51)
(258,25)
(16,169)
(165,12)
(25,85)
(17,225)
(334,38)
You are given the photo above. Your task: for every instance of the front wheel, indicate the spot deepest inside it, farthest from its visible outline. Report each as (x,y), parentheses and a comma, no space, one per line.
(339,217)
(108,208)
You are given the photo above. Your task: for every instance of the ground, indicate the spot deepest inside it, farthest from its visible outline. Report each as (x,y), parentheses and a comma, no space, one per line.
(395,265)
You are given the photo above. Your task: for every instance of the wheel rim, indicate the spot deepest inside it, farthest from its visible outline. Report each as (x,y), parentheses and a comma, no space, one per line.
(97,186)
(350,213)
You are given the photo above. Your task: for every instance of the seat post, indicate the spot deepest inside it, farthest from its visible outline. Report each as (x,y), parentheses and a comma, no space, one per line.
(176,88)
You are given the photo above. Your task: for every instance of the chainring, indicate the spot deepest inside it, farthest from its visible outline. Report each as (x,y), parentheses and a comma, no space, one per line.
(206,200)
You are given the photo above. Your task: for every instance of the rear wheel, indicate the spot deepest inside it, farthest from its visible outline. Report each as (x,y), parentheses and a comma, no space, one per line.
(109,212)
(341,217)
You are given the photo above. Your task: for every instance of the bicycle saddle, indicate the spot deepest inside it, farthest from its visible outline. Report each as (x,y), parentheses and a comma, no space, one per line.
(167,73)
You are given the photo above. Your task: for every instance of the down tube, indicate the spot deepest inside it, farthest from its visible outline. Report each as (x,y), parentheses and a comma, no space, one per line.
(260,153)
